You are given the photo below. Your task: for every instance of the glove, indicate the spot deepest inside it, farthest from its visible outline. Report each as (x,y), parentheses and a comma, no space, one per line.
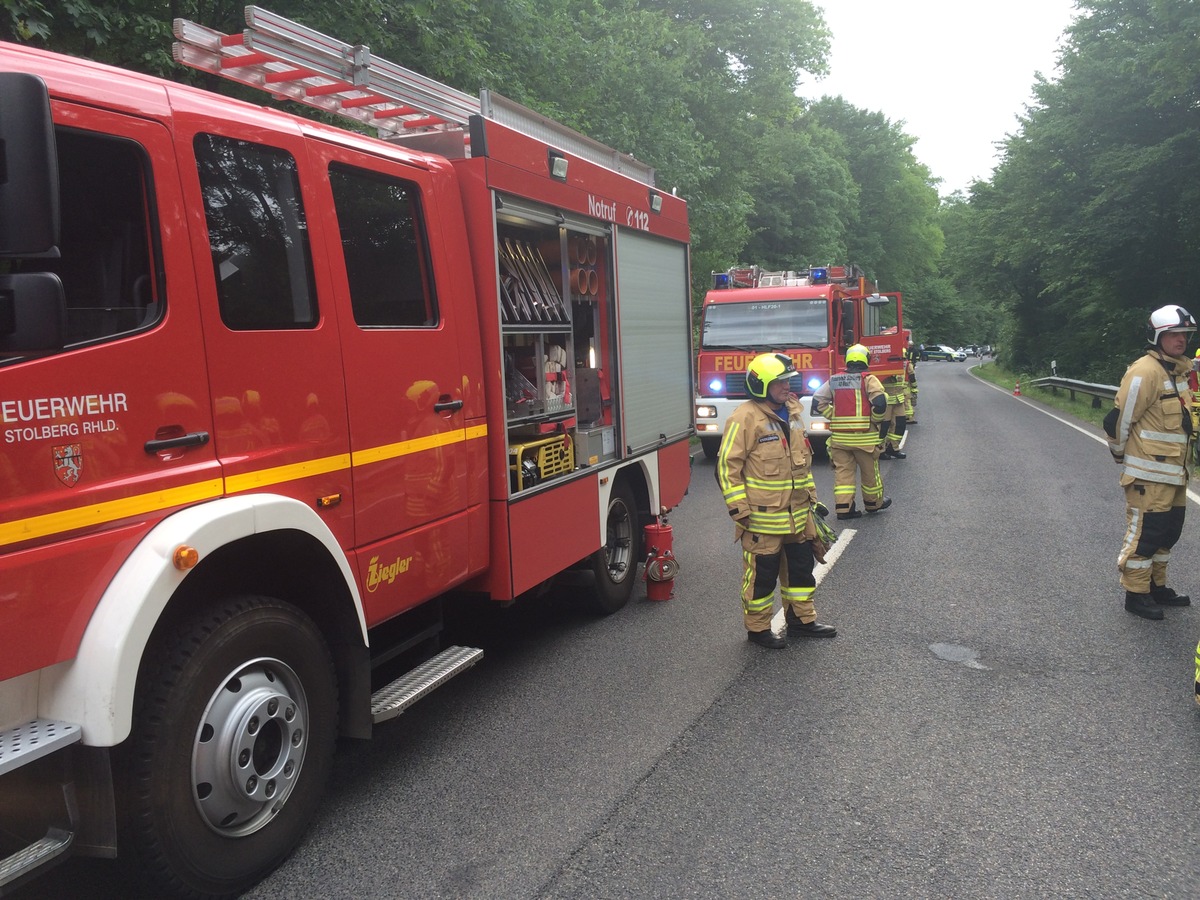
(820,509)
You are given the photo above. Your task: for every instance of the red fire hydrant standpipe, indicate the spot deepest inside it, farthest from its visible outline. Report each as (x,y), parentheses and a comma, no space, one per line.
(661,565)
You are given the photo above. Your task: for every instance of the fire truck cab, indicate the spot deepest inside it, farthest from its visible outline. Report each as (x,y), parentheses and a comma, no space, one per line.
(270,390)
(812,315)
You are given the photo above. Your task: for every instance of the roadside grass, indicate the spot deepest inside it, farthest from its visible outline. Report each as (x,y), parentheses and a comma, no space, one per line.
(1079,408)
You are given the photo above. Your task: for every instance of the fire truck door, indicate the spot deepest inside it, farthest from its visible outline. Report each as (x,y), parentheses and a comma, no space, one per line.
(404,380)
(102,440)
(271,339)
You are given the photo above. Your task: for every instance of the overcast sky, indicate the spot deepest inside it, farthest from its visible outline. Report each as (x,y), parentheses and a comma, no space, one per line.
(956,72)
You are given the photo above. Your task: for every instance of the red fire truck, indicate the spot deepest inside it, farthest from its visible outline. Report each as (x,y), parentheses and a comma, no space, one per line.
(813,316)
(269,390)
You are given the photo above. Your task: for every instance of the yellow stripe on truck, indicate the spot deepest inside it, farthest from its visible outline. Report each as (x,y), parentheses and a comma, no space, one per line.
(109,511)
(93,514)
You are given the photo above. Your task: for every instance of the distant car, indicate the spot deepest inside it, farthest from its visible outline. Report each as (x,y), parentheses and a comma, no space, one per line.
(959,355)
(936,351)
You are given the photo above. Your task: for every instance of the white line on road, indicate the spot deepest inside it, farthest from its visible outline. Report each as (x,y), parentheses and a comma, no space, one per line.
(819,571)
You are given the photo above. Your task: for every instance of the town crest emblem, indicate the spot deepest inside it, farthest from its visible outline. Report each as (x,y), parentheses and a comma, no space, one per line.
(68,463)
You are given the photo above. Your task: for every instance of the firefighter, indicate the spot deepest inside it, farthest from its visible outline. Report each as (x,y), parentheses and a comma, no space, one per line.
(855,404)
(1150,433)
(764,470)
(910,371)
(892,429)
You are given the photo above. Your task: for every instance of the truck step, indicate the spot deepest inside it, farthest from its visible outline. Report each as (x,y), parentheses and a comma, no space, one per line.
(37,738)
(15,868)
(392,699)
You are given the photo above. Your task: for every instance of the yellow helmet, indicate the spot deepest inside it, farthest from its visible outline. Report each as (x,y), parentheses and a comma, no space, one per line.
(858,354)
(764,369)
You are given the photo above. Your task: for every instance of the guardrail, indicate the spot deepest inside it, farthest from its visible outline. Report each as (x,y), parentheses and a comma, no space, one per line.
(1098,392)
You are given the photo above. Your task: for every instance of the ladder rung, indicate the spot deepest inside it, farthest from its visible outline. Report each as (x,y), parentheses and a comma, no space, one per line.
(391,700)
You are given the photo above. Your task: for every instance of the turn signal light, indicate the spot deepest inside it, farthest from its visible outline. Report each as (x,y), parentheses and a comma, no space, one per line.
(185,557)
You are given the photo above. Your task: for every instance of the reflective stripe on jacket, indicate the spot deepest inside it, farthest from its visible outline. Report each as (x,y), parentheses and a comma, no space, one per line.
(1150,439)
(764,471)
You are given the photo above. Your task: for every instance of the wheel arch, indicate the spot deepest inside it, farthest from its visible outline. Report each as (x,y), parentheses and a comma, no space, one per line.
(265,543)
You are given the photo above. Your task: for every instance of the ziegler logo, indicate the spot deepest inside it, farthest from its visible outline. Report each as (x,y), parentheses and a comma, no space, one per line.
(68,463)
(378,574)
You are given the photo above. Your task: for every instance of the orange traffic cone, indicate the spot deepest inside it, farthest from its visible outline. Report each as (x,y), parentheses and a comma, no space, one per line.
(1017,390)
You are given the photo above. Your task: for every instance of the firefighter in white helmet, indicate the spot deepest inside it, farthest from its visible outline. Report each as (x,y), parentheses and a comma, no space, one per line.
(1150,435)
(856,406)
(764,470)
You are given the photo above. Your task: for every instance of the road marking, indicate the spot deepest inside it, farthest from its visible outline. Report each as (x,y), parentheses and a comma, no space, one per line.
(844,538)
(1192,495)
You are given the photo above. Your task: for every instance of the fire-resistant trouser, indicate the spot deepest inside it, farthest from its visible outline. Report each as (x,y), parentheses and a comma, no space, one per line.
(896,423)
(911,406)
(1154,521)
(767,558)
(847,463)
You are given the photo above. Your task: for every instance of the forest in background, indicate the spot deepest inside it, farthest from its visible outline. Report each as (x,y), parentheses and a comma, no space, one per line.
(1089,221)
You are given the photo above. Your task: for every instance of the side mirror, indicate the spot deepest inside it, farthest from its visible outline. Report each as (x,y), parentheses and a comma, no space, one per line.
(29,217)
(33,313)
(877,300)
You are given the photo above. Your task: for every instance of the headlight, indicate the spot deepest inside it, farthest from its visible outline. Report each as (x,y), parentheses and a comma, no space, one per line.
(706,412)
(814,425)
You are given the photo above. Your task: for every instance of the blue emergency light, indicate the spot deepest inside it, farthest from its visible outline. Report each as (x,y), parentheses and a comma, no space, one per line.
(720,280)
(818,276)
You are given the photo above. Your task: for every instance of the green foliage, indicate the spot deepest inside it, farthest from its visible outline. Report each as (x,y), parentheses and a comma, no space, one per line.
(1092,218)
(893,233)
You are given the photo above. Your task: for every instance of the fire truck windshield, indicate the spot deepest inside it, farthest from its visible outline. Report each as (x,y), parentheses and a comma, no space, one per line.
(773,323)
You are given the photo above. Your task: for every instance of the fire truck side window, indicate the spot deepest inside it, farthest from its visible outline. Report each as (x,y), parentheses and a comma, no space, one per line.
(387,261)
(258,234)
(104,247)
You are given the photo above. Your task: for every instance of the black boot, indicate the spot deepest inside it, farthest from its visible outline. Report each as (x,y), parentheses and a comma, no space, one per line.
(851,513)
(894,454)
(1142,605)
(1164,596)
(887,501)
(806,629)
(766,638)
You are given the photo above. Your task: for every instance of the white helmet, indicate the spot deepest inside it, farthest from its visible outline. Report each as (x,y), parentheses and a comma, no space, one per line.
(1169,318)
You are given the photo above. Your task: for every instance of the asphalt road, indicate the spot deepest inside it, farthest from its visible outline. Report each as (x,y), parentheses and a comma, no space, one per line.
(989,722)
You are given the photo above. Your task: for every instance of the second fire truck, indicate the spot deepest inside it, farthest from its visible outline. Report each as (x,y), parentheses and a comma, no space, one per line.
(813,316)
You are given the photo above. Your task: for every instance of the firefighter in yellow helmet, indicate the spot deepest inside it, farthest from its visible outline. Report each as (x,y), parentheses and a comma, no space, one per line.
(764,470)
(856,405)
(1150,434)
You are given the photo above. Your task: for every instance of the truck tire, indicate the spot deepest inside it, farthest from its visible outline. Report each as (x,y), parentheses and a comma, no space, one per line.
(616,563)
(711,445)
(233,738)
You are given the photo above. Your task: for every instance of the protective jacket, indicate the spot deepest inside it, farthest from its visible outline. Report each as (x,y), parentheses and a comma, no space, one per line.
(764,469)
(849,401)
(1150,428)
(896,388)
